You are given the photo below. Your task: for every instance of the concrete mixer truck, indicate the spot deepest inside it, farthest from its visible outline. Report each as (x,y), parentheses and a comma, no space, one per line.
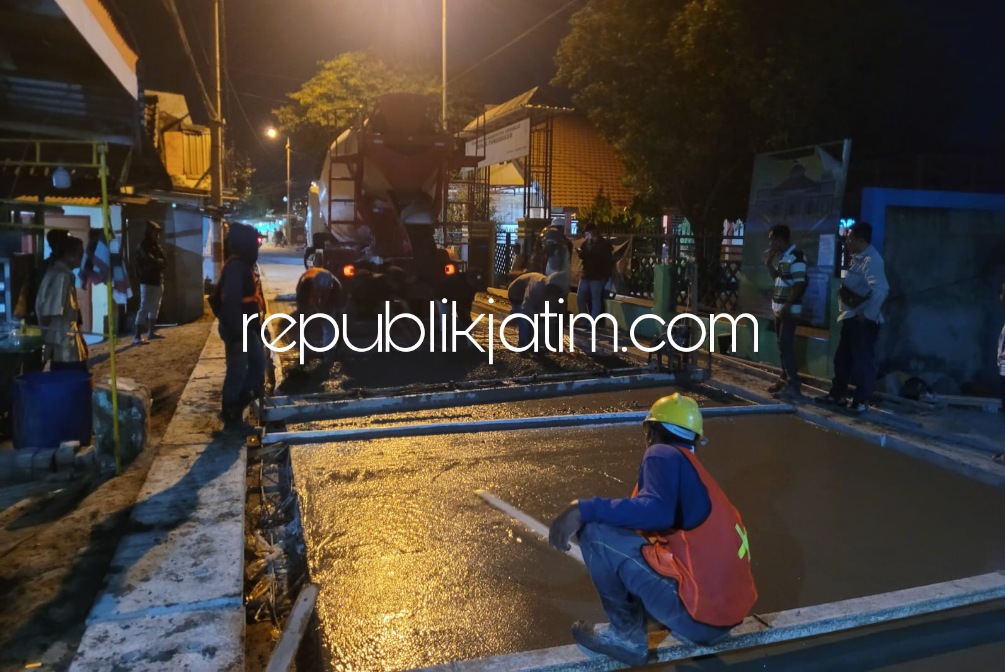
(378,203)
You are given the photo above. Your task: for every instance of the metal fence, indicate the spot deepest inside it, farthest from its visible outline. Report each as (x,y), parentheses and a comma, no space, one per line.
(706,269)
(504,254)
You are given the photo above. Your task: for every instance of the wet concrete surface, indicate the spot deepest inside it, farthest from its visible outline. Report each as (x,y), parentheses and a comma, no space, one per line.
(415,569)
(349,369)
(603,402)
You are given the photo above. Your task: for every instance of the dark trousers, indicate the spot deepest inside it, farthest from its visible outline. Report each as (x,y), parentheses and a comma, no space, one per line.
(785,336)
(855,359)
(1002,381)
(630,590)
(590,296)
(245,377)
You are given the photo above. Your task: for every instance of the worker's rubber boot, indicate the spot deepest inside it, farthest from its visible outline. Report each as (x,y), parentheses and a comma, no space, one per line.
(234,422)
(602,638)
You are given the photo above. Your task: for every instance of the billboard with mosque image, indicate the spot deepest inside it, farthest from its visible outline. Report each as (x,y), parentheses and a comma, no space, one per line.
(803,189)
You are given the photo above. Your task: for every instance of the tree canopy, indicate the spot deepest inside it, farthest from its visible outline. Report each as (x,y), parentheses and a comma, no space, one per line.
(602,214)
(330,100)
(690,90)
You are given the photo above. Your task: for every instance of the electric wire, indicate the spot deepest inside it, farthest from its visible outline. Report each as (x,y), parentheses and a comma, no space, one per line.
(198,34)
(207,100)
(514,40)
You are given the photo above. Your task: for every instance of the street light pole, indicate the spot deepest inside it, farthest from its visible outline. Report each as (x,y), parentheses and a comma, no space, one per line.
(289,220)
(288,229)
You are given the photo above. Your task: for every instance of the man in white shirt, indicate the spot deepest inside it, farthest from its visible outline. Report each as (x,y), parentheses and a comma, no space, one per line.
(862,294)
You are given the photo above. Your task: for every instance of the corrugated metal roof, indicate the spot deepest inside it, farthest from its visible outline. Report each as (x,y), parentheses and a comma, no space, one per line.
(66,74)
(583,164)
(502,110)
(527,104)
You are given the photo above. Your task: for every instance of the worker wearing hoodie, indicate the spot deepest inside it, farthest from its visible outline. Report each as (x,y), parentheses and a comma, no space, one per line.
(237,295)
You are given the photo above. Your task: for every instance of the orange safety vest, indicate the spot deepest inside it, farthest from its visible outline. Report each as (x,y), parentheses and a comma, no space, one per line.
(255,297)
(311,272)
(711,562)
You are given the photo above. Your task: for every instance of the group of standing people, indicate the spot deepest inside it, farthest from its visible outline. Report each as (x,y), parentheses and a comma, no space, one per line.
(554,255)
(863,290)
(530,290)
(58,309)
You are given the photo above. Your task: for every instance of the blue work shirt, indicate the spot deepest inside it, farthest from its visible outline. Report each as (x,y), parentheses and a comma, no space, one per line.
(670,496)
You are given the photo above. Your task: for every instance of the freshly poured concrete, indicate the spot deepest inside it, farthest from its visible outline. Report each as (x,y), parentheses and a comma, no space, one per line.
(416,570)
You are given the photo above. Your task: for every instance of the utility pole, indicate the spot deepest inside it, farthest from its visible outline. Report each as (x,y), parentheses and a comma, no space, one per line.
(216,148)
(443,31)
(443,115)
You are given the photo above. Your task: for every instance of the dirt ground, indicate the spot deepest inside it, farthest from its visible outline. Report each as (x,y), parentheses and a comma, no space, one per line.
(56,548)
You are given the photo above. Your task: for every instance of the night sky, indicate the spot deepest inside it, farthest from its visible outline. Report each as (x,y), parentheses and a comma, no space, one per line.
(272,46)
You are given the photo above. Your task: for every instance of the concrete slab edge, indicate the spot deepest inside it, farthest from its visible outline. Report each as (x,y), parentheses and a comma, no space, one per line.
(963,462)
(220,603)
(538,422)
(209,365)
(207,640)
(888,418)
(767,629)
(976,468)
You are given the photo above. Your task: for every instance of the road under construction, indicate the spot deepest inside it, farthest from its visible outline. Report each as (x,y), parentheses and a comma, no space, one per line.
(424,485)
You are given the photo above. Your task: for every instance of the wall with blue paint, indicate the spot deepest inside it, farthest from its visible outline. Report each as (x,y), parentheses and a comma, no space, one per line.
(945,260)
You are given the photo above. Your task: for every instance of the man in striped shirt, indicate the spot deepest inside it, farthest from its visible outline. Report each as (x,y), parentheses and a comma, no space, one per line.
(787,266)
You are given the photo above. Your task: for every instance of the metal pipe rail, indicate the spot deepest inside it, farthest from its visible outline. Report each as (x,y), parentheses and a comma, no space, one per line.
(453,386)
(507,424)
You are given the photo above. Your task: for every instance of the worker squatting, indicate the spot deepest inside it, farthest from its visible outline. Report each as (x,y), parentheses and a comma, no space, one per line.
(444,331)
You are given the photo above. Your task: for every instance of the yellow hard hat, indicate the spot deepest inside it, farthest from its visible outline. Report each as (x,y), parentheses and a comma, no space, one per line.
(677,411)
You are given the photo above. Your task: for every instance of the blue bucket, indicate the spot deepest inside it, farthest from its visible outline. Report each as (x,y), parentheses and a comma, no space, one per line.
(50,407)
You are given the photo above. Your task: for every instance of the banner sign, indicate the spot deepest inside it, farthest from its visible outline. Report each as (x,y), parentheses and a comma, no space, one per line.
(506,144)
(803,189)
